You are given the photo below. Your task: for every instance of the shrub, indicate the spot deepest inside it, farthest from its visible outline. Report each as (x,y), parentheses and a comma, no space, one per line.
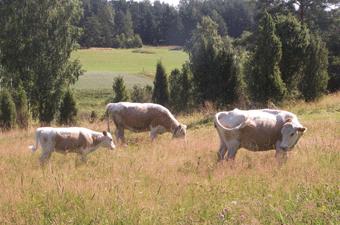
(141,94)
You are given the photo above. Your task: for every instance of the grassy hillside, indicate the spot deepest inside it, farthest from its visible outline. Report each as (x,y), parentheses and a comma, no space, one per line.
(137,66)
(168,182)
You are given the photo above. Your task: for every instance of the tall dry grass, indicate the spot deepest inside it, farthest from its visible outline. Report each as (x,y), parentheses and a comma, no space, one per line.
(168,182)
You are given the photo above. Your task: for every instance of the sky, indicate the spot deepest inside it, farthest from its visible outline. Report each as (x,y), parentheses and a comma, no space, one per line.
(170,2)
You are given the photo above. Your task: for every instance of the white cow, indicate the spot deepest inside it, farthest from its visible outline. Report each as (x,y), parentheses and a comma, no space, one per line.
(257,130)
(73,139)
(140,117)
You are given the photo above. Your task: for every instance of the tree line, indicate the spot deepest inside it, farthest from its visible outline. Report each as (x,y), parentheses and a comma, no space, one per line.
(239,51)
(287,61)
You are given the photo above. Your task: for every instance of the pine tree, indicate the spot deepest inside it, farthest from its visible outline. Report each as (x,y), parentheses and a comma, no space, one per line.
(294,37)
(314,83)
(175,87)
(265,80)
(215,71)
(7,111)
(160,91)
(21,105)
(68,109)
(119,90)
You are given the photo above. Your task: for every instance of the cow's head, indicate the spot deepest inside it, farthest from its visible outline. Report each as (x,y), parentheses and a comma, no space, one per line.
(108,141)
(180,131)
(290,135)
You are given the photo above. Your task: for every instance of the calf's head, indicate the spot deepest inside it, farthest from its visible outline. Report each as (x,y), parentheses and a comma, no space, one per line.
(290,135)
(180,131)
(107,140)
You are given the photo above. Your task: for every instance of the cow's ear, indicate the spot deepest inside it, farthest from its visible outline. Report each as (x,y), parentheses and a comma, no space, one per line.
(288,120)
(302,129)
(105,133)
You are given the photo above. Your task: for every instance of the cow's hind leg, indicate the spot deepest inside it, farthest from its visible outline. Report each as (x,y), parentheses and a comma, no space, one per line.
(221,152)
(232,150)
(45,156)
(120,135)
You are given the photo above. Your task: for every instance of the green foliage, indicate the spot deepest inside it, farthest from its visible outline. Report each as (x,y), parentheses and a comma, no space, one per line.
(265,80)
(314,83)
(68,109)
(36,53)
(21,105)
(98,24)
(180,85)
(213,62)
(119,90)
(141,94)
(7,110)
(294,38)
(160,93)
(124,41)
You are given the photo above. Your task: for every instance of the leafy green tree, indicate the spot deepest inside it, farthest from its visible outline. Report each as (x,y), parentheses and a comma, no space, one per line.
(314,83)
(119,90)
(265,80)
(68,109)
(36,53)
(160,91)
(294,38)
(21,105)
(7,110)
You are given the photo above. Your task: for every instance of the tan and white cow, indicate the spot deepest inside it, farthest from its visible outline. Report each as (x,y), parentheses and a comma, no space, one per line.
(257,130)
(72,139)
(141,117)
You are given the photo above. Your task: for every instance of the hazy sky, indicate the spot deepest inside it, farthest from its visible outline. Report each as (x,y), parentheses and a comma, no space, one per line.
(171,2)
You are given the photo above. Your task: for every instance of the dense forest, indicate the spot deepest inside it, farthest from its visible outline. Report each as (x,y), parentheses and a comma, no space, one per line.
(241,52)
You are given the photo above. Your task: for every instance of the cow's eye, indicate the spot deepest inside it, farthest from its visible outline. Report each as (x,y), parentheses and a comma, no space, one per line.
(291,134)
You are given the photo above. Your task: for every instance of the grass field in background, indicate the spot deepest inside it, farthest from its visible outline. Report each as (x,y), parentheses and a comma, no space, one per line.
(137,66)
(168,182)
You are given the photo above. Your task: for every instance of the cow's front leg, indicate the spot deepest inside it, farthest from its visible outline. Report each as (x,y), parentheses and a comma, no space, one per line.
(280,154)
(154,131)
(81,159)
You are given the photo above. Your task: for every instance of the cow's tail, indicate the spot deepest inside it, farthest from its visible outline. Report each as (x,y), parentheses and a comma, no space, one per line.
(217,123)
(33,148)
(107,114)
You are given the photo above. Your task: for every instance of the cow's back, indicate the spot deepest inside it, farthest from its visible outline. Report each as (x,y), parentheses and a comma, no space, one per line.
(138,116)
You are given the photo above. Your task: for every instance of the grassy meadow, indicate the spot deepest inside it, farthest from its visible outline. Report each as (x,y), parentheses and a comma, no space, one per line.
(137,66)
(168,182)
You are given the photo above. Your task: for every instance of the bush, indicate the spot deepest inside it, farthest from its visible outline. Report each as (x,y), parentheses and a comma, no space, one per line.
(68,110)
(7,111)
(141,94)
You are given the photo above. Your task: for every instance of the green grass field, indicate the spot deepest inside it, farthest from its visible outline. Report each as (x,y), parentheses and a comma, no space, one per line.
(168,182)
(137,66)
